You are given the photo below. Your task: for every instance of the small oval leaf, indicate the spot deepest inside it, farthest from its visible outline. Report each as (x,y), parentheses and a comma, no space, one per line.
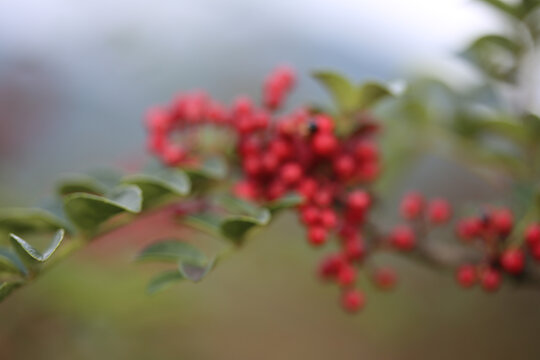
(30,254)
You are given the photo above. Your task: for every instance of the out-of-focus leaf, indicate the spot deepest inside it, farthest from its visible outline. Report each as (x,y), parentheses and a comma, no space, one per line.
(203,175)
(29,254)
(496,55)
(285,202)
(236,227)
(7,287)
(80,183)
(163,281)
(205,222)
(155,187)
(29,220)
(195,273)
(504,128)
(343,92)
(505,8)
(88,211)
(370,93)
(532,123)
(172,251)
(10,262)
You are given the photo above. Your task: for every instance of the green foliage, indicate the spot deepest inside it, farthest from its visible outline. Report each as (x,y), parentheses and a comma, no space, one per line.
(172,251)
(163,281)
(155,187)
(10,263)
(285,202)
(29,254)
(88,211)
(22,221)
(202,176)
(7,288)
(80,183)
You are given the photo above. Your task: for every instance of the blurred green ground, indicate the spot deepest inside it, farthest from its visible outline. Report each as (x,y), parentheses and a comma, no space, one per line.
(262,303)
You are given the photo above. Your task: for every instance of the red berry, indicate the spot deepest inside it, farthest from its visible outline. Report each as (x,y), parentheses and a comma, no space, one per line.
(324,144)
(402,237)
(412,205)
(385,278)
(346,275)
(291,173)
(344,166)
(469,228)
(358,201)
(366,151)
(491,279)
(329,218)
(535,251)
(502,221)
(323,197)
(466,275)
(513,261)
(330,266)
(439,211)
(532,235)
(317,235)
(324,123)
(353,300)
(173,155)
(311,215)
(354,249)
(308,188)
(245,190)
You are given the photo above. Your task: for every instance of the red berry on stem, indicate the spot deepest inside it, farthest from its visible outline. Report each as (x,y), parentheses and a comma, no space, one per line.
(491,279)
(403,238)
(412,206)
(532,234)
(291,173)
(324,144)
(502,221)
(346,275)
(317,235)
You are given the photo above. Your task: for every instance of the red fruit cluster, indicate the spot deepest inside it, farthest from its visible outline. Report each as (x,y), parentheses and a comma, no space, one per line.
(502,254)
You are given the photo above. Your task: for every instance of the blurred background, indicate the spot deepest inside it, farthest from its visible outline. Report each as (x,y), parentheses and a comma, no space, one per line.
(76,78)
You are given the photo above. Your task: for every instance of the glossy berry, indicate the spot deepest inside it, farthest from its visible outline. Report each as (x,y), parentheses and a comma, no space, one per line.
(354,249)
(324,144)
(490,279)
(291,173)
(466,276)
(352,300)
(439,211)
(469,228)
(403,238)
(331,265)
(346,275)
(317,235)
(513,261)
(502,221)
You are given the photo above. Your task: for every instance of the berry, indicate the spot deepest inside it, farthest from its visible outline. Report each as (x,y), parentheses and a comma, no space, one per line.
(466,276)
(469,228)
(324,144)
(412,206)
(358,201)
(311,215)
(344,166)
(346,276)
(291,173)
(352,300)
(491,279)
(502,221)
(385,278)
(513,261)
(330,266)
(532,235)
(354,249)
(329,218)
(402,238)
(439,211)
(317,235)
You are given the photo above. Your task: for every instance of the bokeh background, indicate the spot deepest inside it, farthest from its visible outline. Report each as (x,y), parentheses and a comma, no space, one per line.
(75,79)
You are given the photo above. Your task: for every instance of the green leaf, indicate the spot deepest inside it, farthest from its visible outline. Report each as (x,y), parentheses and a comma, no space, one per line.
(195,273)
(371,93)
(205,222)
(532,123)
(88,211)
(343,92)
(7,287)
(30,254)
(10,262)
(29,220)
(285,202)
(163,281)
(155,187)
(172,251)
(508,129)
(505,8)
(236,227)
(495,55)
(202,176)
(80,183)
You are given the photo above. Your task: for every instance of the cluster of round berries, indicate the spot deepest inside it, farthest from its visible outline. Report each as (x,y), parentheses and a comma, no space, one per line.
(502,253)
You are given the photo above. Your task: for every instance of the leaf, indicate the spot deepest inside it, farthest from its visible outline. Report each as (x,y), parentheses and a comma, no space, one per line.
(371,93)
(203,175)
(342,90)
(505,8)
(236,227)
(88,211)
(29,220)
(172,251)
(155,187)
(10,262)
(163,281)
(7,287)
(206,222)
(195,273)
(30,254)
(532,123)
(285,202)
(511,130)
(80,183)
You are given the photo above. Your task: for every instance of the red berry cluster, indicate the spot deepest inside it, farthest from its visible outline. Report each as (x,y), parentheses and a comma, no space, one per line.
(502,255)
